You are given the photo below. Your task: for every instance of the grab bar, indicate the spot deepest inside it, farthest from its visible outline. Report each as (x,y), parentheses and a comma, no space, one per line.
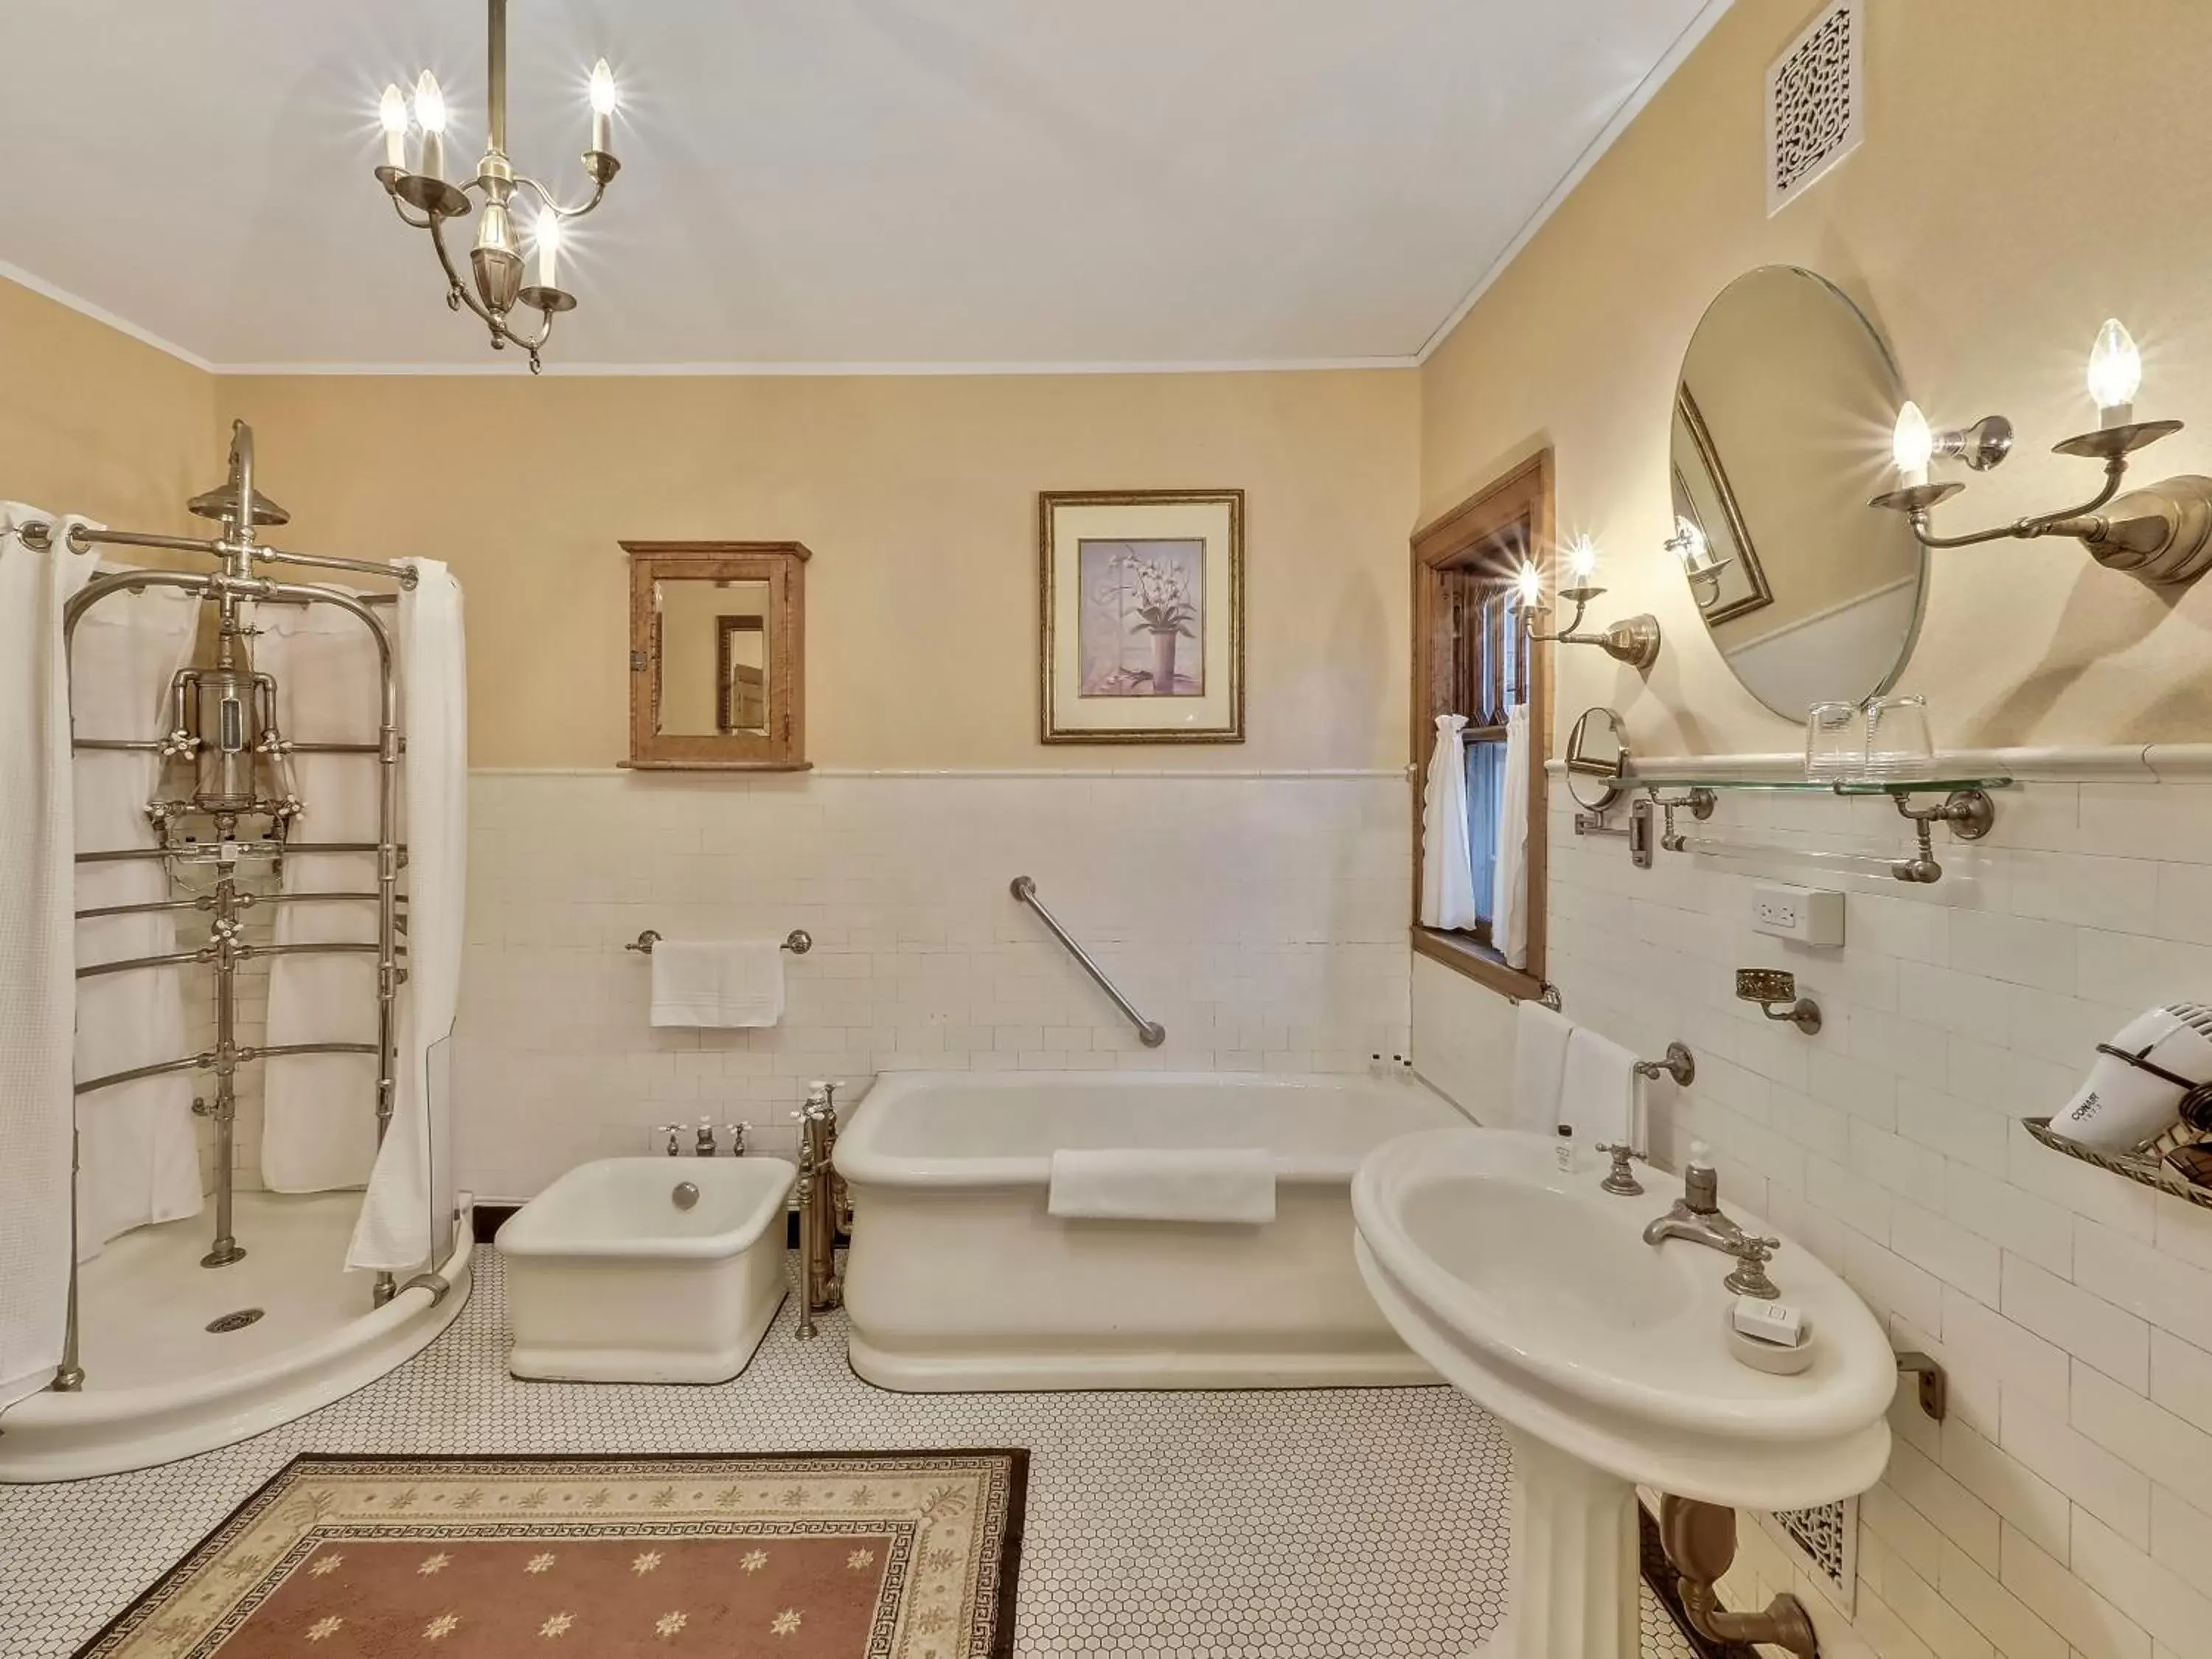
(1149,1032)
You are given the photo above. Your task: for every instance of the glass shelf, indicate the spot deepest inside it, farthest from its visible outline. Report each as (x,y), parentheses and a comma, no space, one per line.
(1869,787)
(2143,1170)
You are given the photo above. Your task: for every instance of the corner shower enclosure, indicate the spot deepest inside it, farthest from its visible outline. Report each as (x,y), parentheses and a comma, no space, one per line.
(140,1378)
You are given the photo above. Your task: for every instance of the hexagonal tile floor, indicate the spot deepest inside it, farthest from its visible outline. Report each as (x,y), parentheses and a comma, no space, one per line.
(1344,1522)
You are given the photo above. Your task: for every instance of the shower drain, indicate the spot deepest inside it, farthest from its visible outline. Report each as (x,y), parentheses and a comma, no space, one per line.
(234,1321)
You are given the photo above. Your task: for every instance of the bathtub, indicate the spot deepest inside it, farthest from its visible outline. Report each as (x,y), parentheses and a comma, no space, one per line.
(647,1269)
(957,1279)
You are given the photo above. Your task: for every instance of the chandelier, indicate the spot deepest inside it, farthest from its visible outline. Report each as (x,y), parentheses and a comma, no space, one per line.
(496,263)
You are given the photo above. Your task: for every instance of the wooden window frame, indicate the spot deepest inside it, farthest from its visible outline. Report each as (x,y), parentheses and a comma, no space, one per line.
(1522,495)
(782,565)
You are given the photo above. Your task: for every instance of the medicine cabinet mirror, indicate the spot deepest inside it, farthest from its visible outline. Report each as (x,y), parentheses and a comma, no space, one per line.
(716,655)
(1780,424)
(1597,759)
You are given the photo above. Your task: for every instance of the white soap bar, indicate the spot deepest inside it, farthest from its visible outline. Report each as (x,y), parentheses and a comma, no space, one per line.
(1770,1322)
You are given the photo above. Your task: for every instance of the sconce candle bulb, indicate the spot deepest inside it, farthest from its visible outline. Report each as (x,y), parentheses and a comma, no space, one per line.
(2115,374)
(1529,583)
(1582,559)
(1912,445)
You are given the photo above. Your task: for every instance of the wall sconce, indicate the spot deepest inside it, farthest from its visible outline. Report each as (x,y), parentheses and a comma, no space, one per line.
(1635,641)
(1695,549)
(2162,534)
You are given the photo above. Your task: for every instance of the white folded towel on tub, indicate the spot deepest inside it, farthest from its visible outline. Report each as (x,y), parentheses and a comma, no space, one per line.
(717,982)
(1152,1184)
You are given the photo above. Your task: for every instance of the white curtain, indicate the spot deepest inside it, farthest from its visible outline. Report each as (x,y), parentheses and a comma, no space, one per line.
(397,1224)
(1509,886)
(37,988)
(318,1125)
(1447,897)
(137,1153)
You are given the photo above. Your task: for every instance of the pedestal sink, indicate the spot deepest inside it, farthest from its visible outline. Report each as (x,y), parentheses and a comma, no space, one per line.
(1533,1291)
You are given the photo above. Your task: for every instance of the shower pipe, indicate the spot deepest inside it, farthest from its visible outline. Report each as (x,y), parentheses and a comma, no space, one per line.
(237,507)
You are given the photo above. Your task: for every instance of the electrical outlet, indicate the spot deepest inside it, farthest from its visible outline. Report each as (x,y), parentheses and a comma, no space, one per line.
(1810,915)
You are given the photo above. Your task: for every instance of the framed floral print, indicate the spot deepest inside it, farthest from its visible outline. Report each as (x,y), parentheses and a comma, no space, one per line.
(1142,615)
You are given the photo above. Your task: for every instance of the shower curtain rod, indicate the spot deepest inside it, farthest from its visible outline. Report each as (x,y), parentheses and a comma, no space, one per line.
(37,534)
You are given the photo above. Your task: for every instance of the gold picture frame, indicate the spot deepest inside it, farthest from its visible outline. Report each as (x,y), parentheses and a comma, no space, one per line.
(1140,615)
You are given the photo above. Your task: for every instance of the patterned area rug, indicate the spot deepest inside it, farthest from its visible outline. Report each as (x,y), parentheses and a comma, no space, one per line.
(891,1555)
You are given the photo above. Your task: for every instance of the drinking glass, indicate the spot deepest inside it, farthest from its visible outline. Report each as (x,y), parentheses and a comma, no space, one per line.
(1898,742)
(1834,747)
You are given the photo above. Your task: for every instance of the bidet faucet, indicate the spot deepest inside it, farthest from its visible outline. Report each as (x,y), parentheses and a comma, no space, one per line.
(1696,1216)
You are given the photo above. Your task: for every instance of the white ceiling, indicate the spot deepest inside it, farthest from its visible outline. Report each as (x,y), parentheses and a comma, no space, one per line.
(1000,182)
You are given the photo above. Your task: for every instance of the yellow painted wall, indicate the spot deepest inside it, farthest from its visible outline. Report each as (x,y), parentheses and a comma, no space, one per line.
(918,498)
(2027,171)
(93,421)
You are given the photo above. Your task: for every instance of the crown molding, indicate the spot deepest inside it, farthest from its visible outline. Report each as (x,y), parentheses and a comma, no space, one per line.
(838,370)
(84,307)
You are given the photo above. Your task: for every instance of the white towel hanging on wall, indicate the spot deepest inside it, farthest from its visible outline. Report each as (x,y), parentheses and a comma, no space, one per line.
(37,952)
(137,1154)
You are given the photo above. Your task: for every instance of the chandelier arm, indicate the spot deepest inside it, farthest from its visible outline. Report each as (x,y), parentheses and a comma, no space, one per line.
(459,289)
(2044,524)
(548,200)
(400,208)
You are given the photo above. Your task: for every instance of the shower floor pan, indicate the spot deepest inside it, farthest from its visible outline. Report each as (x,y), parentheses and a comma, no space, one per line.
(181,1358)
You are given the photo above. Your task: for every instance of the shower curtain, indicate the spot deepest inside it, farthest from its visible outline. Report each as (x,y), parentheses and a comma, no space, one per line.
(408,1190)
(137,1154)
(36,959)
(319,1122)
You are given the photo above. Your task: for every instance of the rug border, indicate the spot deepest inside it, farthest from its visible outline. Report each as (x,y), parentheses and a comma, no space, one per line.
(1018,1474)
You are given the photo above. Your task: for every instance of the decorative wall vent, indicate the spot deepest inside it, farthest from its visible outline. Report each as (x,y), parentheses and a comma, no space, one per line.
(1826,1543)
(1815,102)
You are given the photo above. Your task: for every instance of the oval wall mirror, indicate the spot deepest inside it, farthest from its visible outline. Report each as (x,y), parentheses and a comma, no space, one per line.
(1597,759)
(1780,437)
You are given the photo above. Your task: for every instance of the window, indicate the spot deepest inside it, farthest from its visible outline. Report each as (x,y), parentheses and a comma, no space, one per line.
(1472,657)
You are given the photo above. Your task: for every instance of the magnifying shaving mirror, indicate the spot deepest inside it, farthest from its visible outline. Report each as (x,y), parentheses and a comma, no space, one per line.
(1597,759)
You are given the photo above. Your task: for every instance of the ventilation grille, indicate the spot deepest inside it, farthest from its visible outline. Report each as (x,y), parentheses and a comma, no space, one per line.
(1815,102)
(1825,1541)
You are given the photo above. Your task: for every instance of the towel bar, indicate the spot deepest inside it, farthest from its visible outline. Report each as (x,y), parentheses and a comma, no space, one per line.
(798,941)
(1681,1065)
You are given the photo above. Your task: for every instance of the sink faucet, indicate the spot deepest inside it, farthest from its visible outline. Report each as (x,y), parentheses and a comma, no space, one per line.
(1697,1216)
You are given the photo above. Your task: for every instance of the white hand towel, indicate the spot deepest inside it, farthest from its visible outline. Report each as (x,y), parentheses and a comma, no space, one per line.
(1597,1098)
(1540,1064)
(1149,1184)
(717,982)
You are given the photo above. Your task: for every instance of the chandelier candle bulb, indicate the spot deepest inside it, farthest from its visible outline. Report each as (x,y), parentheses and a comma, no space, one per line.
(2115,374)
(545,236)
(603,112)
(391,115)
(431,115)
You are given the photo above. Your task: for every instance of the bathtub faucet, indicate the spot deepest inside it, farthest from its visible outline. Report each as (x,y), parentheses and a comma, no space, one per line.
(704,1146)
